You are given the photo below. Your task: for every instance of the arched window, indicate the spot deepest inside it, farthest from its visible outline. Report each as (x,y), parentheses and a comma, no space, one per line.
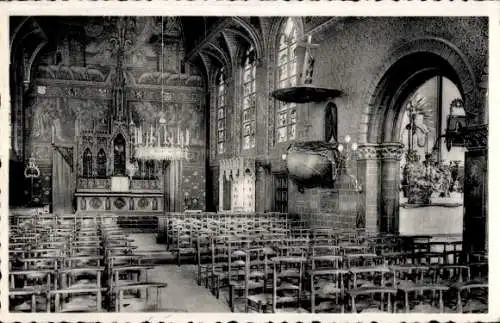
(286,118)
(119,156)
(87,163)
(429,111)
(249,106)
(101,163)
(221,111)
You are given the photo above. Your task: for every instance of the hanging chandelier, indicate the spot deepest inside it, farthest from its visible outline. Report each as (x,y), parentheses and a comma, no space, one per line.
(155,139)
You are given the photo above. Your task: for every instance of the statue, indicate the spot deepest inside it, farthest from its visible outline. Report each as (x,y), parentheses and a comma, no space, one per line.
(309,60)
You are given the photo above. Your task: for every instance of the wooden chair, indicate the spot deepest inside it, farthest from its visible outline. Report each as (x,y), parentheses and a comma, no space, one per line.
(287,280)
(472,297)
(327,288)
(77,299)
(138,302)
(258,270)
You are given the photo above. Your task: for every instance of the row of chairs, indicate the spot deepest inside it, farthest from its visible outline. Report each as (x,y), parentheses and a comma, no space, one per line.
(74,264)
(341,268)
(181,231)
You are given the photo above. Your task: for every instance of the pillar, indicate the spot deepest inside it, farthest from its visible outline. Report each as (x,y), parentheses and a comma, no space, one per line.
(368,172)
(475,224)
(263,194)
(378,171)
(390,155)
(221,190)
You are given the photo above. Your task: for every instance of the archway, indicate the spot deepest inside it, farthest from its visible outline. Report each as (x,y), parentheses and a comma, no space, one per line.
(410,66)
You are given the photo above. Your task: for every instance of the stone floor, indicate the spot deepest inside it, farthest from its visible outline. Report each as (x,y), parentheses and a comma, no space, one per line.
(183,293)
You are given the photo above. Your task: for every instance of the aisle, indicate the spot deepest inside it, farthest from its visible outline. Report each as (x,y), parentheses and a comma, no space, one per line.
(183,293)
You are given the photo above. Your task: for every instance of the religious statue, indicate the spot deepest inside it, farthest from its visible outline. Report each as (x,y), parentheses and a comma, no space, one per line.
(309,60)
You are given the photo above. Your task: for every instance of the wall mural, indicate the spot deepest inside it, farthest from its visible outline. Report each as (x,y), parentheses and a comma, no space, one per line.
(83,102)
(143,35)
(90,114)
(185,116)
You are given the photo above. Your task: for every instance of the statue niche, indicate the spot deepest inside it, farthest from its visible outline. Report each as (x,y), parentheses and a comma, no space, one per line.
(119,159)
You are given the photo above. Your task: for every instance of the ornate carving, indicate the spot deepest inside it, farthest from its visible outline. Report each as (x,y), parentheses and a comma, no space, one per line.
(119,203)
(392,151)
(95,202)
(475,137)
(237,167)
(367,152)
(143,203)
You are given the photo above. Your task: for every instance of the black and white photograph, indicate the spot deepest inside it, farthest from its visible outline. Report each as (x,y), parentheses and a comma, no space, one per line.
(247,164)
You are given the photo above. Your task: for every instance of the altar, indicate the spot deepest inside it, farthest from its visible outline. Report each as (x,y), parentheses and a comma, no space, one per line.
(119,202)
(119,194)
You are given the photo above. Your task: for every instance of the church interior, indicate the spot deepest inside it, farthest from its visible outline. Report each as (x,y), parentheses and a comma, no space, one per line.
(248,164)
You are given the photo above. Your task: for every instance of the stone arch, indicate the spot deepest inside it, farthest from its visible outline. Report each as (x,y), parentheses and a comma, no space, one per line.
(254,34)
(409,64)
(276,28)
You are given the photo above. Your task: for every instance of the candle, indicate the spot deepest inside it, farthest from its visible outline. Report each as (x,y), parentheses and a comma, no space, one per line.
(187,137)
(53,134)
(178,135)
(182,139)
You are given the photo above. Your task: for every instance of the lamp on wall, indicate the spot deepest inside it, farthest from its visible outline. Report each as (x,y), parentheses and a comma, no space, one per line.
(454,124)
(348,151)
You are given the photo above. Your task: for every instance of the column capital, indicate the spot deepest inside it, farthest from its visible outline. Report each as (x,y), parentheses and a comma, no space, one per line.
(386,151)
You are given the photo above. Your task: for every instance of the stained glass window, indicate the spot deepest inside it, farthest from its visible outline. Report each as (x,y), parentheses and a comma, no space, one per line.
(287,76)
(248,119)
(221,111)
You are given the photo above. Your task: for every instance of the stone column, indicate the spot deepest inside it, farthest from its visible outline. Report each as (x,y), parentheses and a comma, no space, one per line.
(475,225)
(368,172)
(378,171)
(261,188)
(221,189)
(390,155)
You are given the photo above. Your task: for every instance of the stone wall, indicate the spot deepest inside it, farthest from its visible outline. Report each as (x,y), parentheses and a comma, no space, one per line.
(353,56)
